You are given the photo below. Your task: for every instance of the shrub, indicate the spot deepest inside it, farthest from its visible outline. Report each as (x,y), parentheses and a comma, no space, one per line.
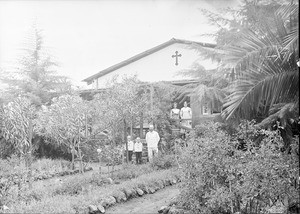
(111,154)
(124,174)
(131,171)
(13,174)
(26,195)
(80,183)
(220,178)
(71,187)
(57,204)
(6,149)
(156,179)
(50,166)
(97,179)
(163,162)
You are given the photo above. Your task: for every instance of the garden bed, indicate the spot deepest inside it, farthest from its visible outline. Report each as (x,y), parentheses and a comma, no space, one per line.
(45,176)
(78,187)
(145,184)
(64,200)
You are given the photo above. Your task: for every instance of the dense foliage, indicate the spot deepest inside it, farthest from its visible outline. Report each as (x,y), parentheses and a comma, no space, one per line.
(165,161)
(222,177)
(65,122)
(33,76)
(257,44)
(19,125)
(163,96)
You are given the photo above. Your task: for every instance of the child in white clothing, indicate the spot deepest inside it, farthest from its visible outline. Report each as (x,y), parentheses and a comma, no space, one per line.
(138,148)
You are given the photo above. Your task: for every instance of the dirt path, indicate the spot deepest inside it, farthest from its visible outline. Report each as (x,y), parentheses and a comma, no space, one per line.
(149,203)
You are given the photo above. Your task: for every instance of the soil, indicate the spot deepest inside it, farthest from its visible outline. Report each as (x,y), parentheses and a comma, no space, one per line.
(147,204)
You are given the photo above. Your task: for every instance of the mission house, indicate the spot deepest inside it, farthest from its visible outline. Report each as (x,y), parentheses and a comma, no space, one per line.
(164,62)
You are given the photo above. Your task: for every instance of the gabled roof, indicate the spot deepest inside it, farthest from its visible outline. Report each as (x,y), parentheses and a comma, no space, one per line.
(90,79)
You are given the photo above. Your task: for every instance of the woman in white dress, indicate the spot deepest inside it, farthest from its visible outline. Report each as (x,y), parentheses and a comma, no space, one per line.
(174,114)
(186,115)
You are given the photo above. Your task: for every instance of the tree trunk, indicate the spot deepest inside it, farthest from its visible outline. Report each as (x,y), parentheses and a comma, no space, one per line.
(231,201)
(30,179)
(113,141)
(151,101)
(29,155)
(73,156)
(131,127)
(112,171)
(86,127)
(80,159)
(79,155)
(141,125)
(125,138)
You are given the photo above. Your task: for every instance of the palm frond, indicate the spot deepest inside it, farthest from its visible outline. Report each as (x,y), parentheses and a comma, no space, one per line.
(290,43)
(261,88)
(288,10)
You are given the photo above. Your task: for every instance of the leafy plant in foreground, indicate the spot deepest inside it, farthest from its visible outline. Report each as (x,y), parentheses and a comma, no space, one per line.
(220,178)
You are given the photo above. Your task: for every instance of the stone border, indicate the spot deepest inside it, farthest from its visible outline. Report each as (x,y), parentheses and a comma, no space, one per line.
(126,193)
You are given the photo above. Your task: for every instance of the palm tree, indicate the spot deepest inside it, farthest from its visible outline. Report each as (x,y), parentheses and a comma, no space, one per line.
(265,63)
(259,46)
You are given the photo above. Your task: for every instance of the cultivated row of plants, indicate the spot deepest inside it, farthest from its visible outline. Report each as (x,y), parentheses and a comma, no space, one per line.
(14,174)
(76,193)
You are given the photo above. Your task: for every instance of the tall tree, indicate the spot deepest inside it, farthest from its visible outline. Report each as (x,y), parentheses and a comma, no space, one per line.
(265,63)
(35,74)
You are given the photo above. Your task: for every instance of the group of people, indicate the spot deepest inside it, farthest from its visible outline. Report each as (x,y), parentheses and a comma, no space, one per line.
(152,139)
(185,114)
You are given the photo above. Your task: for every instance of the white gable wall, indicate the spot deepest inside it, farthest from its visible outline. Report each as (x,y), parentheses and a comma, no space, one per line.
(158,66)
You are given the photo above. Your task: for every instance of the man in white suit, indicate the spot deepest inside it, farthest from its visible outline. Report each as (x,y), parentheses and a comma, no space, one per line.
(152,139)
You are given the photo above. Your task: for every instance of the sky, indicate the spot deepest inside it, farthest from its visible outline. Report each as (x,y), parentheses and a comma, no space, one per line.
(85,37)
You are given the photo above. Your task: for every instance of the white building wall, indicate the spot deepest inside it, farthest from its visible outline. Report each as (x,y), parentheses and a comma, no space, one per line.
(158,66)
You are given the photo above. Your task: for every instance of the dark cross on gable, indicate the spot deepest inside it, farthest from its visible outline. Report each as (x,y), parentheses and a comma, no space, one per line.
(176,55)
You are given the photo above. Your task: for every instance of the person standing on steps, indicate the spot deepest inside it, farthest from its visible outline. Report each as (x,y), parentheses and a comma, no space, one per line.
(152,139)
(130,148)
(186,116)
(174,114)
(138,148)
